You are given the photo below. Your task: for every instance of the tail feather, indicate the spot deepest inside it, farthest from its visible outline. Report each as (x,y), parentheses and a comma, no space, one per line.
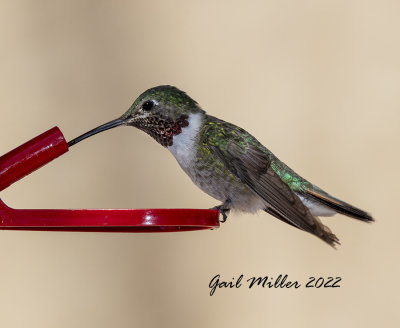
(339,206)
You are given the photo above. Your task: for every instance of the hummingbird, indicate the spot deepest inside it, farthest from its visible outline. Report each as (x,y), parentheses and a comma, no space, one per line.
(229,164)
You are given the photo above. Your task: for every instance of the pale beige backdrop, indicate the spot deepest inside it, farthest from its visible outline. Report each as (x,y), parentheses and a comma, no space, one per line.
(315,81)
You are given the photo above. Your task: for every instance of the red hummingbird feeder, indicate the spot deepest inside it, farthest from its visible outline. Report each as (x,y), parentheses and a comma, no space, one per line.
(51,144)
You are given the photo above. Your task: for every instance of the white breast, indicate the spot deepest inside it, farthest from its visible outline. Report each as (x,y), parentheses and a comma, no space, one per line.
(184,145)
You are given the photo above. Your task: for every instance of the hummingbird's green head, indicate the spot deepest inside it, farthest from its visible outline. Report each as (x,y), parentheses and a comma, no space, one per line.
(162,112)
(164,101)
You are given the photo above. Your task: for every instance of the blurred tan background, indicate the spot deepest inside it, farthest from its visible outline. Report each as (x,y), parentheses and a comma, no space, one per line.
(315,81)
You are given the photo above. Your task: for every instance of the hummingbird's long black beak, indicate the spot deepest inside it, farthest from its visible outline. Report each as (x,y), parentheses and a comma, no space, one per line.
(101,128)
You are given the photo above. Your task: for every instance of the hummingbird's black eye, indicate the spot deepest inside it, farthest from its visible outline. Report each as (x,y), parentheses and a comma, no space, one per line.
(148,105)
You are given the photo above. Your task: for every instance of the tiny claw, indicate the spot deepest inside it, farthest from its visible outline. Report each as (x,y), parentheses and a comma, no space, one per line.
(224,215)
(223,211)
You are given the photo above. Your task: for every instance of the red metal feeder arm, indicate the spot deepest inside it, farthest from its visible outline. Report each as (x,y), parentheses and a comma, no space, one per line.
(51,144)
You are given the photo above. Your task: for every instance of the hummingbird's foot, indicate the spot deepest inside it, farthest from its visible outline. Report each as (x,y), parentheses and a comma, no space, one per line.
(224,210)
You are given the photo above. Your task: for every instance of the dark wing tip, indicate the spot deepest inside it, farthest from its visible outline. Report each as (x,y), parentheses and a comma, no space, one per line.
(317,229)
(326,234)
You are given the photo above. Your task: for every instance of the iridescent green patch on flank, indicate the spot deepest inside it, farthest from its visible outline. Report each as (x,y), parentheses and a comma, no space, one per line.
(287,175)
(205,155)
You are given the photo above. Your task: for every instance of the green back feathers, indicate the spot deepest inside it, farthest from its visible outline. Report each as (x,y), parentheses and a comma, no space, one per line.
(220,135)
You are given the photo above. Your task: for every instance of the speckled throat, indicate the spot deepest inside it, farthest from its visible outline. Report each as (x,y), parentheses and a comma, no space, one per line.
(161,129)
